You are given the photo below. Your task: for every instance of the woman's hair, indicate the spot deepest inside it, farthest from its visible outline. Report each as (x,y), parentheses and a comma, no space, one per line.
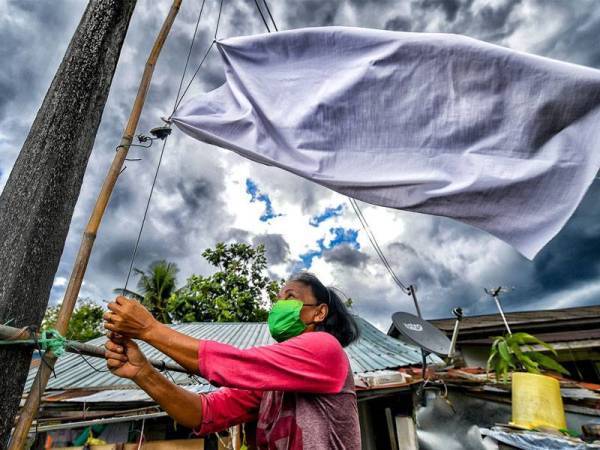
(339,322)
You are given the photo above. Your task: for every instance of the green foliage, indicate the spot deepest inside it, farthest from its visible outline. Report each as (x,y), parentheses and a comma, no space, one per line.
(507,354)
(85,323)
(156,285)
(239,291)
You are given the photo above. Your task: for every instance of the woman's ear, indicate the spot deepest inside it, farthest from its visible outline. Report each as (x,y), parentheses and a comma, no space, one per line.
(321,313)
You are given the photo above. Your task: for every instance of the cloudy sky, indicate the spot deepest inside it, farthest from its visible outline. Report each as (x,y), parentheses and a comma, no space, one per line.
(205,195)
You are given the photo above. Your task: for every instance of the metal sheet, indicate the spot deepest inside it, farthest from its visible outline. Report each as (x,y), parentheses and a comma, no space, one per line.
(373,351)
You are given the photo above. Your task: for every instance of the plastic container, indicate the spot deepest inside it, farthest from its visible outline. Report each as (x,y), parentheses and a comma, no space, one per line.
(536,402)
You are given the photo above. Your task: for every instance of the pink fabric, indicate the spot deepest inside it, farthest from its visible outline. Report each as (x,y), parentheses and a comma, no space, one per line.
(227,407)
(312,362)
(300,392)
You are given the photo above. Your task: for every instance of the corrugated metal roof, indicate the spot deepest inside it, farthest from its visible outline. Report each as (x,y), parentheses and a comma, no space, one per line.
(373,351)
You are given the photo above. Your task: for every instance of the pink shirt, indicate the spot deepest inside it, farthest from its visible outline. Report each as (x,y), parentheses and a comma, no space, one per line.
(301,392)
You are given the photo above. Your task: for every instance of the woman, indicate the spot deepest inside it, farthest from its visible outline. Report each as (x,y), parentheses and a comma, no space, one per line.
(300,391)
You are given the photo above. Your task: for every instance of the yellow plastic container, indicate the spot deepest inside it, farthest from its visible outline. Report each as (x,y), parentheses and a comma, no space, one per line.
(536,402)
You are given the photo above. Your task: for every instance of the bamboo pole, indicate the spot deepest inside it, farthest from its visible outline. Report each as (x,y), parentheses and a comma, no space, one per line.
(31,406)
(82,348)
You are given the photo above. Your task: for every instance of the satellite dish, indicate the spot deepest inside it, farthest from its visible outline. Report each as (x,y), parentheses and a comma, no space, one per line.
(421,333)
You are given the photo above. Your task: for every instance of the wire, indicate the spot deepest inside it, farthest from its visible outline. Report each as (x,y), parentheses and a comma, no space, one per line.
(376,246)
(262,16)
(193,76)
(218,19)
(89,363)
(178,102)
(270,15)
(187,60)
(139,236)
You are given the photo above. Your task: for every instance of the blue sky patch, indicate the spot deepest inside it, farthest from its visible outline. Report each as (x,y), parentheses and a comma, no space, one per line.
(257,196)
(316,220)
(341,236)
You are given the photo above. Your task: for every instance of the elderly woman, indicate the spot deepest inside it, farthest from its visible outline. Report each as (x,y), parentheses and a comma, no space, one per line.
(300,391)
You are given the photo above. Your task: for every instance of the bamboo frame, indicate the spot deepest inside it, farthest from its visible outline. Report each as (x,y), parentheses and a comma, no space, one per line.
(31,406)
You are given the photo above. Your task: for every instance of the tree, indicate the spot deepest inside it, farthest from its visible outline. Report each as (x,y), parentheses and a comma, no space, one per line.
(156,285)
(239,291)
(37,202)
(85,323)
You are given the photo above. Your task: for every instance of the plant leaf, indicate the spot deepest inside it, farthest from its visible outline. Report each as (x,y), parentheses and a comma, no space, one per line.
(526,338)
(547,362)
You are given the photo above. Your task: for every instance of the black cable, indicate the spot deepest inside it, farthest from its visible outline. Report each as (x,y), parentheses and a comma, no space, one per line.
(89,363)
(270,15)
(202,61)
(376,246)
(262,16)
(177,103)
(187,60)
(193,76)
(137,242)
(218,19)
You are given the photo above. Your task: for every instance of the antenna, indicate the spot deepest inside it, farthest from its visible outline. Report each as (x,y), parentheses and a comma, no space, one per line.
(495,294)
(458,313)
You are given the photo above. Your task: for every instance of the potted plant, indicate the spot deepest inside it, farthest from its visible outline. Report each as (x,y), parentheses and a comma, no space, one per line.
(536,400)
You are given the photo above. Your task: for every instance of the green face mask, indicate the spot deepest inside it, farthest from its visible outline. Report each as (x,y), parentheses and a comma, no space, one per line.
(284,320)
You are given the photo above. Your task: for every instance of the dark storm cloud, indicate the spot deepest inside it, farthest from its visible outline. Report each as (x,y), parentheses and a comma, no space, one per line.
(399,24)
(491,22)
(231,235)
(449,7)
(312,13)
(449,262)
(346,255)
(577,39)
(276,247)
(33,37)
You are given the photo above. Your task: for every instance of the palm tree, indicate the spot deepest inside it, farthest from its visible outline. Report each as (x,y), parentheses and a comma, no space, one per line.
(155,287)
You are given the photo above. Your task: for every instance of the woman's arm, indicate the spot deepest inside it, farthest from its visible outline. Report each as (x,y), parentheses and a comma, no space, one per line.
(125,359)
(313,362)
(129,318)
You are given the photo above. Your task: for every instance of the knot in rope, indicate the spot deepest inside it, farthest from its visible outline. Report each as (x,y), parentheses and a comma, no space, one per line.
(52,340)
(48,340)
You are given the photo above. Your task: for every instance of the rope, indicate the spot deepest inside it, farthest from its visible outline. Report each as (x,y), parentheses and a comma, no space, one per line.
(49,340)
(178,100)
(376,246)
(139,236)
(270,15)
(262,16)
(187,61)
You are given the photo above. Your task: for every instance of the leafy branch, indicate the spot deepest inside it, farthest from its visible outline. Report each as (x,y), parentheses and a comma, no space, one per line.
(507,355)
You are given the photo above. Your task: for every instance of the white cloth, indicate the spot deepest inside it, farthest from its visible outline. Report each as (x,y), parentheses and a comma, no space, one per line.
(434,123)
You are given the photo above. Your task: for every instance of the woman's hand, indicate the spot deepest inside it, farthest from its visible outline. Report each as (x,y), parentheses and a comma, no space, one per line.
(124,358)
(129,318)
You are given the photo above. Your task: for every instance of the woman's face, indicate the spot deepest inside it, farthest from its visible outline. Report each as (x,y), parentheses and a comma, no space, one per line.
(311,313)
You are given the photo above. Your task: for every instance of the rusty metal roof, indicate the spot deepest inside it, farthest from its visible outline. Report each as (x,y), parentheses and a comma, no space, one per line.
(555,325)
(373,351)
(572,317)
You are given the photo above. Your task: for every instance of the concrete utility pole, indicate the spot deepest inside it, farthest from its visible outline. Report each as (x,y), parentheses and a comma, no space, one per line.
(37,203)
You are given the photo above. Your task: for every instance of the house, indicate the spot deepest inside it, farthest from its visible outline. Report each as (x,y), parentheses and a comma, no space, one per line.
(84,394)
(573,332)
(463,401)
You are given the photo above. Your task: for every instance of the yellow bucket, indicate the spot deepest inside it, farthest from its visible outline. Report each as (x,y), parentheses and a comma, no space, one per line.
(536,402)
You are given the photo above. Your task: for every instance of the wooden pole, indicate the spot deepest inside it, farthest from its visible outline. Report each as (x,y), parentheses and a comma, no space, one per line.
(31,406)
(82,348)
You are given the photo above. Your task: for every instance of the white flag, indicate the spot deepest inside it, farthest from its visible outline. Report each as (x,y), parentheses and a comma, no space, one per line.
(434,123)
